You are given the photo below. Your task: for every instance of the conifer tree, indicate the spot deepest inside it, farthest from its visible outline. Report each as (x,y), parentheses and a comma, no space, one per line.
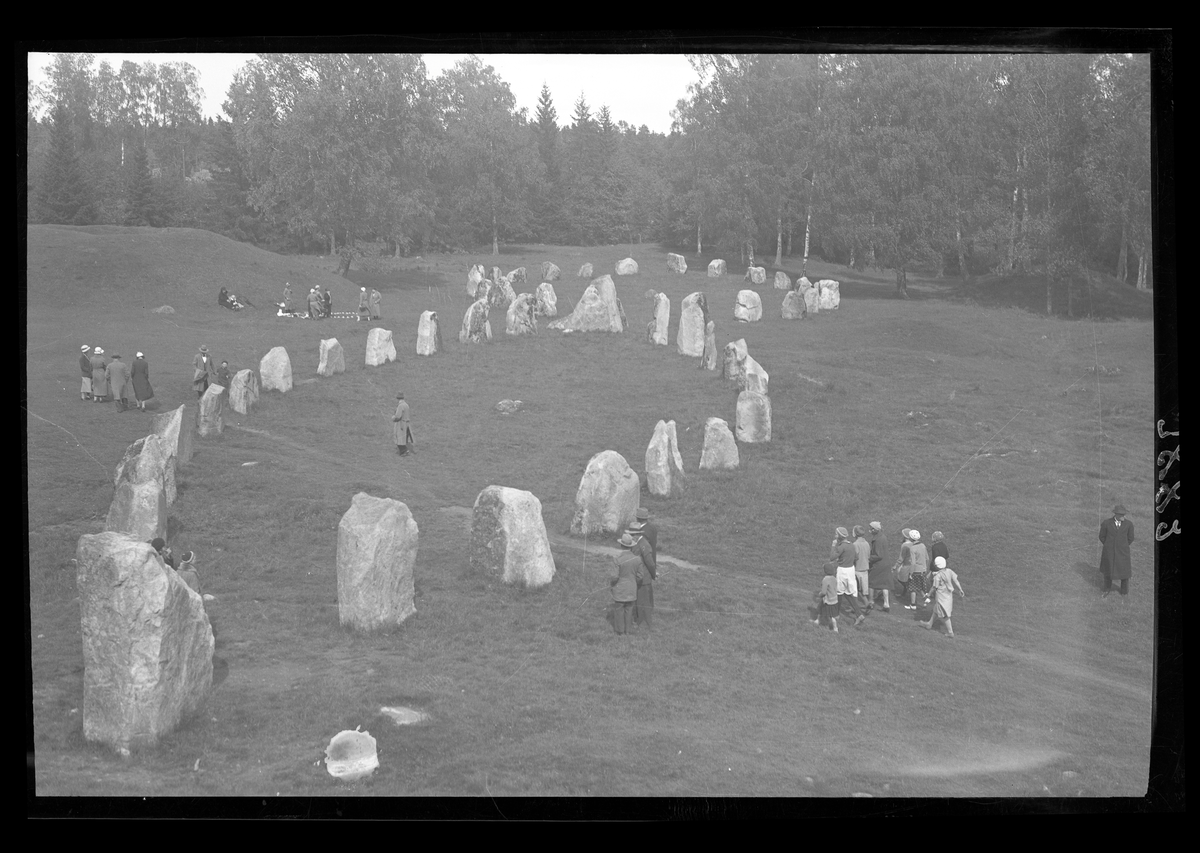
(140,207)
(64,196)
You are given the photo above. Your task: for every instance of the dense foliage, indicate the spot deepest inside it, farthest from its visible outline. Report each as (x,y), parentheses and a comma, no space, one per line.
(949,163)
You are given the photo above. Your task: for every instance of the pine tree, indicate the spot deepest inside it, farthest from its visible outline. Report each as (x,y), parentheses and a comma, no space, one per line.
(140,207)
(583,113)
(64,196)
(547,131)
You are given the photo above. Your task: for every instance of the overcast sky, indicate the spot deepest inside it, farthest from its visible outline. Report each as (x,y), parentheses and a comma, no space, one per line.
(639,89)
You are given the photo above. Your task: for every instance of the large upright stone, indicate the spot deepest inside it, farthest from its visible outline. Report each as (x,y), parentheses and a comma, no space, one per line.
(598,310)
(178,431)
(376,550)
(608,495)
(496,274)
(752,376)
(243,390)
(658,328)
(508,537)
(547,300)
(627,266)
(709,360)
(209,420)
(716,268)
(661,454)
(793,305)
(753,417)
(693,320)
(484,292)
(521,318)
(782,282)
(812,300)
(585,271)
(830,294)
(802,284)
(756,275)
(501,295)
(147,643)
(517,276)
(748,308)
(275,371)
(476,275)
(429,334)
(138,510)
(333,359)
(380,347)
(734,360)
(550,271)
(676,263)
(476,327)
(149,458)
(720,450)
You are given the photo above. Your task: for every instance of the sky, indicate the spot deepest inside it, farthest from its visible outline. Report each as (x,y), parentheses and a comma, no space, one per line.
(640,89)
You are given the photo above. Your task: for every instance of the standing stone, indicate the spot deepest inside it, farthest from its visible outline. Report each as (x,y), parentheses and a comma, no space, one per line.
(149,458)
(208,417)
(508,537)
(802,284)
(662,452)
(517,275)
(627,266)
(782,282)
(496,274)
(476,327)
(429,334)
(476,275)
(501,295)
(658,328)
(178,431)
(693,320)
(830,295)
(753,417)
(735,360)
(608,495)
(756,275)
(550,271)
(585,271)
(243,389)
(748,307)
(484,292)
(716,268)
(812,301)
(547,299)
(521,318)
(333,359)
(752,376)
(140,490)
(720,450)
(676,263)
(709,360)
(275,371)
(598,310)
(793,305)
(376,550)
(147,642)
(380,347)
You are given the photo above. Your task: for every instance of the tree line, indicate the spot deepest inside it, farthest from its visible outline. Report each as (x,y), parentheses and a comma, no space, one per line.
(951,164)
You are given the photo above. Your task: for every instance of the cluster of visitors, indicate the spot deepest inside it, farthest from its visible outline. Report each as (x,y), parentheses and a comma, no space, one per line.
(231,301)
(320,303)
(108,378)
(368,304)
(632,589)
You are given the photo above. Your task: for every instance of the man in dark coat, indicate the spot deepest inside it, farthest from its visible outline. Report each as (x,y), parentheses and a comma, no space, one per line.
(328,299)
(118,380)
(879,565)
(401,426)
(643,609)
(141,381)
(1115,535)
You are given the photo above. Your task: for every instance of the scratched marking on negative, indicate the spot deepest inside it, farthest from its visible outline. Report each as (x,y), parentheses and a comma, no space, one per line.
(1166,494)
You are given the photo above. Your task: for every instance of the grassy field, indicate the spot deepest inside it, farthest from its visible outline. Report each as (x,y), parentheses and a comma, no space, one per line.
(958,410)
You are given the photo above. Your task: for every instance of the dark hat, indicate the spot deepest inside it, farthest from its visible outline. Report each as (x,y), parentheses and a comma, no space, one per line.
(1119,509)
(158,544)
(400,396)
(188,556)
(643,514)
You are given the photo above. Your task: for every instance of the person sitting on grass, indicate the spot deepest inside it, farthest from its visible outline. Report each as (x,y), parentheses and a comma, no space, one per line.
(827,597)
(945,582)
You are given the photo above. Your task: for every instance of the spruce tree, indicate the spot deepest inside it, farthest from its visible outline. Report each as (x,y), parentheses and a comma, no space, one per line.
(583,113)
(64,196)
(547,131)
(140,203)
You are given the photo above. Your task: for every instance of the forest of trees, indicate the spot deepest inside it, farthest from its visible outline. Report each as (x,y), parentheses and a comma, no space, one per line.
(949,164)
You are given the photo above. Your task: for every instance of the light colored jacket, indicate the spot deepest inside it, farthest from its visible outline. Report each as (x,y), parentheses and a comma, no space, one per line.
(624,588)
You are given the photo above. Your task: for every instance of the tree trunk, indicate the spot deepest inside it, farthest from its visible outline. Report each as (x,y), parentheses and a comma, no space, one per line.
(699,243)
(122,153)
(396,251)
(495,234)
(779,237)
(1142,265)
(807,226)
(750,251)
(332,242)
(791,228)
(1070,297)
(851,257)
(1123,257)
(962,251)
(1049,286)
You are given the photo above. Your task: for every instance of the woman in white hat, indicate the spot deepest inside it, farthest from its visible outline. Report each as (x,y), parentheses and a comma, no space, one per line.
(918,578)
(140,371)
(945,582)
(99,376)
(363,305)
(85,366)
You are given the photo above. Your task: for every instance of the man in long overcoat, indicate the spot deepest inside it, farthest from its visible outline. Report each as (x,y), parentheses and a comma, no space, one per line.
(401,426)
(1115,535)
(118,381)
(85,366)
(374,303)
(141,381)
(643,609)
(99,377)
(327,298)
(204,371)
(879,565)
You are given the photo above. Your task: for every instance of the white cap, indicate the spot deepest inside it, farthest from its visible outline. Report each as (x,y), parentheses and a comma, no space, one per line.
(914,535)
(141,355)
(939,562)
(84,348)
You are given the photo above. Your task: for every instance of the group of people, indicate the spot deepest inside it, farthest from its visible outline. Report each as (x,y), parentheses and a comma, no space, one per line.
(109,378)
(320,302)
(860,573)
(231,301)
(636,566)
(205,372)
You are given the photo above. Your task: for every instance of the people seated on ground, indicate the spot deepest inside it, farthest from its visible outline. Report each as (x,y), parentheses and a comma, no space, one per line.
(229,300)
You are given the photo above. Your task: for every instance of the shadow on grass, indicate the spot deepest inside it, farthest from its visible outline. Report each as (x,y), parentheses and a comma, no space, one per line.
(1089,573)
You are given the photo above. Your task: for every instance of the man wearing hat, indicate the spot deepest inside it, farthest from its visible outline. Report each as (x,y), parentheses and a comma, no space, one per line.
(204,371)
(401,426)
(879,569)
(117,373)
(140,373)
(643,610)
(314,304)
(1115,535)
(624,585)
(85,366)
(99,376)
(842,552)
(376,297)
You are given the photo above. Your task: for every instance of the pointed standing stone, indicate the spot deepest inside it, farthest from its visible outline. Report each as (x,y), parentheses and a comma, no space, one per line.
(275,371)
(376,550)
(752,376)
(380,347)
(243,391)
(516,276)
(676,263)
(429,334)
(333,359)
(208,418)
(709,360)
(658,327)
(521,318)
(693,320)
(147,459)
(178,431)
(139,504)
(598,310)
(476,275)
(661,454)
(753,417)
(608,495)
(547,299)
(720,450)
(508,537)
(476,327)
(782,282)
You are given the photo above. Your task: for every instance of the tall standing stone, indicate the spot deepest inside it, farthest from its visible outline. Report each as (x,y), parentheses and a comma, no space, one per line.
(147,642)
(178,431)
(149,458)
(658,328)
(585,271)
(793,305)
(782,282)
(734,360)
(676,263)
(748,307)
(333,359)
(501,295)
(376,550)
(627,266)
(484,292)
(476,275)
(476,327)
(429,334)
(693,320)
(547,300)
(756,275)
(521,318)
(380,347)
(508,537)
(550,271)
(598,310)
(812,301)
(496,274)
(209,420)
(829,294)
(140,490)
(661,454)
(716,268)
(753,417)
(709,360)
(275,371)
(720,450)
(752,376)
(608,495)
(243,391)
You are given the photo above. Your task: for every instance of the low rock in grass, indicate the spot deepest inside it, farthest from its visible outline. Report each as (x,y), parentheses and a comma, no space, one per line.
(550,271)
(748,308)
(627,266)
(676,263)
(585,271)
(351,755)
(716,268)
(756,275)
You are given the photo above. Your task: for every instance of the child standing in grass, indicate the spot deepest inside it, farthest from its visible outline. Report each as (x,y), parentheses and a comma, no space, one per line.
(945,581)
(827,597)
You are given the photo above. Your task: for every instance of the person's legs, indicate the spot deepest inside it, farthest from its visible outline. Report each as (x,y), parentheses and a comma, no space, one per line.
(402,449)
(833,619)
(886,604)
(949,628)
(1107,585)
(1124,586)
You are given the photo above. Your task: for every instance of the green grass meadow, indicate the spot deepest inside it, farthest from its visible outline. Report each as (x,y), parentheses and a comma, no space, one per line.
(961,410)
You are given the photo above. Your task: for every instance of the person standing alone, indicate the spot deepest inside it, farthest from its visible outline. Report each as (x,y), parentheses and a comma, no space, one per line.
(401,426)
(141,381)
(1116,534)
(204,371)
